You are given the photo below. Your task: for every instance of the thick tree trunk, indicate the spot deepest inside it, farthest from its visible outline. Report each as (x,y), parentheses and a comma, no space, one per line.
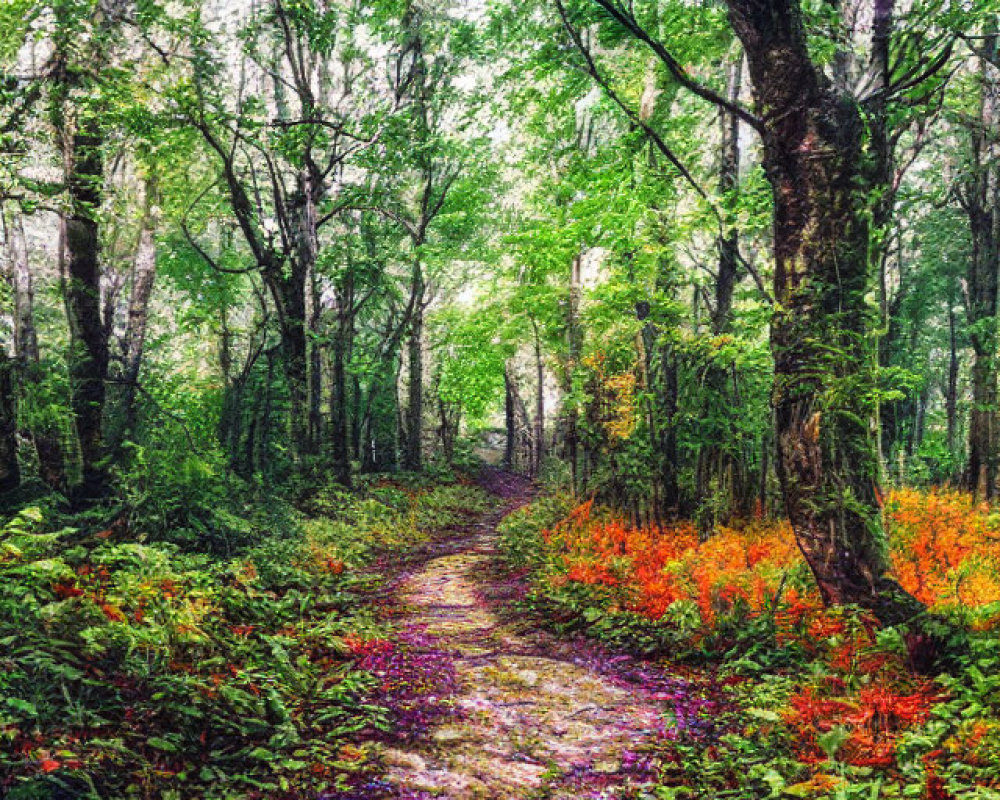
(289,296)
(355,416)
(229,419)
(668,430)
(450,419)
(982,468)
(519,450)
(382,430)
(88,354)
(814,156)
(25,334)
(259,443)
(510,428)
(294,316)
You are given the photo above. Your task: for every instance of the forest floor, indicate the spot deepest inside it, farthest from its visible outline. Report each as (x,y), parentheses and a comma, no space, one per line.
(531,715)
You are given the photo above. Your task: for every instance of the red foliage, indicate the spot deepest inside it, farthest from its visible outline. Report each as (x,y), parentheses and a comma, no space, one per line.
(334,565)
(935,788)
(873,721)
(113,613)
(945,548)
(657,567)
(65,590)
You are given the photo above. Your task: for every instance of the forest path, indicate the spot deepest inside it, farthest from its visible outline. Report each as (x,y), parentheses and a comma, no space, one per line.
(533,716)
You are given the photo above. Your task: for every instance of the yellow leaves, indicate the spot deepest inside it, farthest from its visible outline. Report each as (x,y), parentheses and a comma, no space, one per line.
(614,398)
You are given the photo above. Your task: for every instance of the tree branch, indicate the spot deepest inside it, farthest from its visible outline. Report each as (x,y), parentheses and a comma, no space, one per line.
(626,18)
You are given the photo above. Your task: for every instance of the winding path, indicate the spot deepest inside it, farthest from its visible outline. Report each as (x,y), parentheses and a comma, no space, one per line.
(533,716)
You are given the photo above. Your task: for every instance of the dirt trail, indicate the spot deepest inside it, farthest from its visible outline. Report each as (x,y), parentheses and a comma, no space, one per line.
(531,717)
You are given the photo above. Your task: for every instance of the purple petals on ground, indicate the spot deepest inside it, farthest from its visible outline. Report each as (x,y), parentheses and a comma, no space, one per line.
(417,679)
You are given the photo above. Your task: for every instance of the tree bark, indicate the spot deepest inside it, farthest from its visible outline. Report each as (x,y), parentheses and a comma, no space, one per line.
(510,428)
(980,200)
(814,157)
(143,279)
(539,450)
(339,422)
(25,333)
(951,390)
(315,367)
(88,353)
(10,472)
(44,435)
(381,441)
(668,430)
(412,453)
(574,345)
(729,179)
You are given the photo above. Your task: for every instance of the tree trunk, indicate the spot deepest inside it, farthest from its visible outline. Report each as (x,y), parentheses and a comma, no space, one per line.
(143,278)
(539,451)
(729,180)
(450,417)
(339,423)
(509,421)
(380,452)
(88,353)
(316,370)
(982,426)
(259,444)
(412,453)
(814,158)
(10,472)
(293,288)
(45,435)
(574,342)
(951,391)
(668,430)
(25,334)
(982,196)
(289,297)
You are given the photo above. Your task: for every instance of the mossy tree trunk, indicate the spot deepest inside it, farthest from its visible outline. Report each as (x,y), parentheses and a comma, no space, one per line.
(88,351)
(815,158)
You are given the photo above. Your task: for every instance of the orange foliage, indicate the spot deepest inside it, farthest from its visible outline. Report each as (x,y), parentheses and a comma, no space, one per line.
(657,567)
(945,549)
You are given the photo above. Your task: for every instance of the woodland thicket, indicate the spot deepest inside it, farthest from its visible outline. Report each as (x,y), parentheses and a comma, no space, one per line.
(722,275)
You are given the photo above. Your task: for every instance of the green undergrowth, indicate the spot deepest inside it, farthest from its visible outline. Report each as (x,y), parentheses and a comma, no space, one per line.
(136,661)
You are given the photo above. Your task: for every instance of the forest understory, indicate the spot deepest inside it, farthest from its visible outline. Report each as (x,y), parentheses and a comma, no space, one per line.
(490,399)
(478,638)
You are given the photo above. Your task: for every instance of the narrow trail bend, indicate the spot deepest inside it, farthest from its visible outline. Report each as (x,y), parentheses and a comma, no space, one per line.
(531,717)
